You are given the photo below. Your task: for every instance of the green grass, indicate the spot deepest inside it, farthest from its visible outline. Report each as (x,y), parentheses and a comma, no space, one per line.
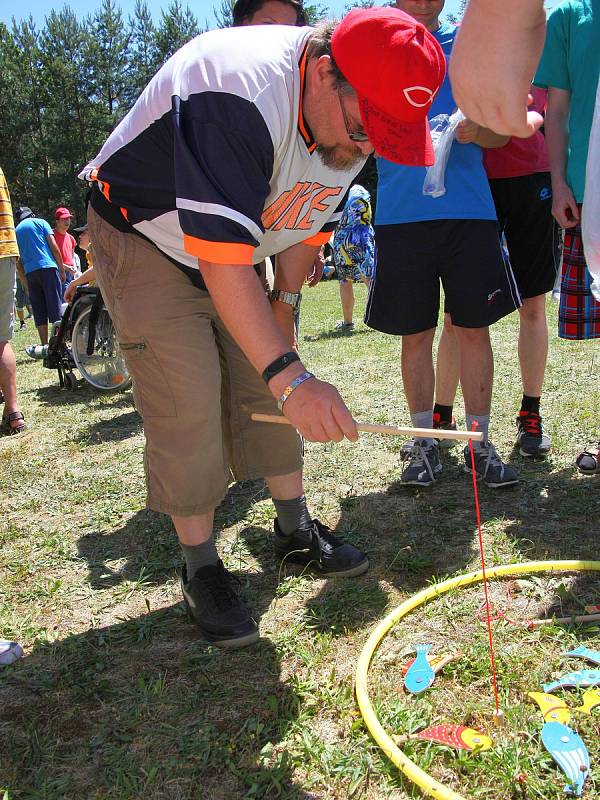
(118,698)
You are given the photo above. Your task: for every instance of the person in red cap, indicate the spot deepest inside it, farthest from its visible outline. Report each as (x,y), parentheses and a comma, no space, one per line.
(66,243)
(448,237)
(244,145)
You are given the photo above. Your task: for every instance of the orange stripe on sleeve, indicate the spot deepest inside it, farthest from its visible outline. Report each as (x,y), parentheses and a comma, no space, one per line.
(318,239)
(218,252)
(106,189)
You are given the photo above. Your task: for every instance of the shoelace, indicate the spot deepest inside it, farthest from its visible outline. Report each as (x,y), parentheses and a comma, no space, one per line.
(532,423)
(323,536)
(221,587)
(492,459)
(418,457)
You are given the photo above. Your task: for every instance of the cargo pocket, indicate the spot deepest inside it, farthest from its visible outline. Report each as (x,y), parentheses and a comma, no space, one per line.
(152,394)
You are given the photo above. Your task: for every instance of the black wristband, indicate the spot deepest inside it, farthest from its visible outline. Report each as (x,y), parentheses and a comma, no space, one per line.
(277,366)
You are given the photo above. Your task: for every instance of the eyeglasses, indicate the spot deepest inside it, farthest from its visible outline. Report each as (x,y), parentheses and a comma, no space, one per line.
(355,136)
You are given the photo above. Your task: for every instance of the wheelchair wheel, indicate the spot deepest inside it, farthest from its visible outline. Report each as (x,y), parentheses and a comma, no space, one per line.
(105,369)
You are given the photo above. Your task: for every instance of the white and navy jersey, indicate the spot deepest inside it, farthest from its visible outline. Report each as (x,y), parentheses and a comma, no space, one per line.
(215,160)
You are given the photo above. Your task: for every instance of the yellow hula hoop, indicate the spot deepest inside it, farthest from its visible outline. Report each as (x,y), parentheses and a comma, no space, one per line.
(414,773)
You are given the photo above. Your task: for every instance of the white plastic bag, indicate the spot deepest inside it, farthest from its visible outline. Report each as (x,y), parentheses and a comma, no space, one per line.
(590,218)
(443,130)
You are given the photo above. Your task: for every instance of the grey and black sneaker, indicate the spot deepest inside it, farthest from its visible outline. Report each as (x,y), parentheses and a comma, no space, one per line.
(318,548)
(490,468)
(440,425)
(342,325)
(213,602)
(424,464)
(531,439)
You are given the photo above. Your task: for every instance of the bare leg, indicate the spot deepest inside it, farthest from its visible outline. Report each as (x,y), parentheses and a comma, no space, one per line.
(20,315)
(347,298)
(286,487)
(195,529)
(533,344)
(43,332)
(417,370)
(8,378)
(476,369)
(447,368)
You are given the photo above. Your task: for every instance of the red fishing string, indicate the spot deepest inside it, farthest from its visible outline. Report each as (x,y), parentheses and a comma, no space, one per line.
(485,588)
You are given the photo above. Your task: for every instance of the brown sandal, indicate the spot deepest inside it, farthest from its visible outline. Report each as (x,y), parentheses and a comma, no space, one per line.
(588,462)
(10,430)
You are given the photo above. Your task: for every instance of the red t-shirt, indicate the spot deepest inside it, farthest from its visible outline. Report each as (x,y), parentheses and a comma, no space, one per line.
(520,156)
(66,244)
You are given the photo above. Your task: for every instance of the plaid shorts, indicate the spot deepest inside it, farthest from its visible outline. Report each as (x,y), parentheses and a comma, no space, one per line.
(579,312)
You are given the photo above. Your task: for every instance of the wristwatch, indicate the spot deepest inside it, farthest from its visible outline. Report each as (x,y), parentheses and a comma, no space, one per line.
(291,298)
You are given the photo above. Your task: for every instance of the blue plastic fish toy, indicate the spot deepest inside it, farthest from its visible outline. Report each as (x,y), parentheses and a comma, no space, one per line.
(587,653)
(420,675)
(584,677)
(570,753)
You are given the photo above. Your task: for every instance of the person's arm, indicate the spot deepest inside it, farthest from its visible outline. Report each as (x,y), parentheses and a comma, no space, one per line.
(57,255)
(493,61)
(85,277)
(468,131)
(293,265)
(21,274)
(315,408)
(564,206)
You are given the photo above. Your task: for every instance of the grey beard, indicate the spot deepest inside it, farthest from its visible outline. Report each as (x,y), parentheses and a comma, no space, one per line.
(331,157)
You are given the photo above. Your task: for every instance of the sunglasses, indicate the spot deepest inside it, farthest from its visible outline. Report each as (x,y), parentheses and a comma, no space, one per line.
(355,136)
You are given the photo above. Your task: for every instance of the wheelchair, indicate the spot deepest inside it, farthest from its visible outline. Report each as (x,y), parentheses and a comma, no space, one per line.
(85,339)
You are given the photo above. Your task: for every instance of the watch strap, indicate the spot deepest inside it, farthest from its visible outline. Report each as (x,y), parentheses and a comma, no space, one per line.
(291,298)
(277,366)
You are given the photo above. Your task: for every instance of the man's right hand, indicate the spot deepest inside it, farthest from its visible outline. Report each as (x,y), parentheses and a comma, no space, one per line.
(564,206)
(317,411)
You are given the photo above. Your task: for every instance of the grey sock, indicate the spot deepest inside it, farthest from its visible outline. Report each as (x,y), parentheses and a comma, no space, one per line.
(423,419)
(292,514)
(483,426)
(199,555)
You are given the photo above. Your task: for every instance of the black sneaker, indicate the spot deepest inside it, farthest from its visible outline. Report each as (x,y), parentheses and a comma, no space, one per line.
(424,464)
(490,467)
(213,602)
(531,439)
(318,548)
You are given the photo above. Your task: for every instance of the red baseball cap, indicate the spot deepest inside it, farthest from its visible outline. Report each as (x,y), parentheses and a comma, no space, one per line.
(62,213)
(396,68)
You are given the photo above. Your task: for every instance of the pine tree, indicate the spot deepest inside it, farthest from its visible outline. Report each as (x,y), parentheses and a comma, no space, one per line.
(145,58)
(224,14)
(177,26)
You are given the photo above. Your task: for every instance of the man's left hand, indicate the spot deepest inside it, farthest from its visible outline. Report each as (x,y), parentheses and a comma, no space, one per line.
(316,272)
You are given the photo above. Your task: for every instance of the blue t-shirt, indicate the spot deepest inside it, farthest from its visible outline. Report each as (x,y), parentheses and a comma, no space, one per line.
(400,195)
(34,249)
(571,61)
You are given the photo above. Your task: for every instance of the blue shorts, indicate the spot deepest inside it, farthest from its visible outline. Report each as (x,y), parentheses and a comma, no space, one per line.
(45,295)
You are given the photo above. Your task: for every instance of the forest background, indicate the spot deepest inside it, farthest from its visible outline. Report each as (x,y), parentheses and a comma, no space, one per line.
(66,83)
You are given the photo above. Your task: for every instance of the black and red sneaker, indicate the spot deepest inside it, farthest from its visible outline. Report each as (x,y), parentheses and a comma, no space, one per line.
(444,425)
(531,439)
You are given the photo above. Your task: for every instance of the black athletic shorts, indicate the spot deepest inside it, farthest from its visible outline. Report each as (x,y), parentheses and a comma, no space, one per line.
(413,257)
(524,208)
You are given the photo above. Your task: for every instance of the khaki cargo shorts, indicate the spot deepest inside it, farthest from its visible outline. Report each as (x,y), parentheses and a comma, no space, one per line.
(8,283)
(192,384)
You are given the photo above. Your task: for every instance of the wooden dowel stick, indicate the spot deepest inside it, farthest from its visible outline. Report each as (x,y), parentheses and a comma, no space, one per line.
(388,430)
(537,623)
